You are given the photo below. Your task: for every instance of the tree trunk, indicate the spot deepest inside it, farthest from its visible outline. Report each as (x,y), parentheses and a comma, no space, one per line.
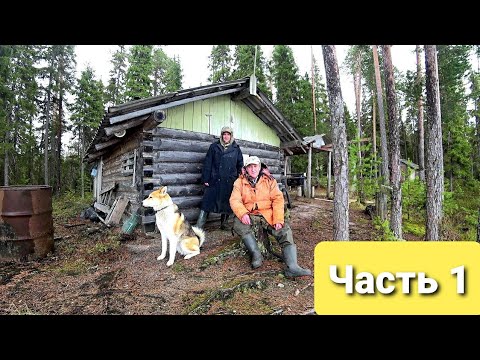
(434,149)
(59,144)
(385,174)
(357,83)
(47,125)
(421,140)
(374,135)
(450,172)
(6,159)
(82,163)
(478,226)
(396,203)
(340,154)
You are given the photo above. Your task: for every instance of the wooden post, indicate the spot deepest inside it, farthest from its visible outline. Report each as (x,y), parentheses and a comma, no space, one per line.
(329,174)
(478,227)
(309,172)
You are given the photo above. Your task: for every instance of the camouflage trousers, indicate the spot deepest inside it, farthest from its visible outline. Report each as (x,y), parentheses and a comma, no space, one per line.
(283,236)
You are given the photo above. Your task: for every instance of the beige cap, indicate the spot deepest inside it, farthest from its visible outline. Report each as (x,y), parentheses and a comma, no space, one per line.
(226,129)
(252,160)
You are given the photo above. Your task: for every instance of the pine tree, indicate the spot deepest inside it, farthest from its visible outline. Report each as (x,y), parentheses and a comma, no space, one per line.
(394,140)
(340,154)
(385,173)
(433,148)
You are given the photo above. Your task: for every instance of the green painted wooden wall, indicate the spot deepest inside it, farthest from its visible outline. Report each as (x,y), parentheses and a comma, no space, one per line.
(210,115)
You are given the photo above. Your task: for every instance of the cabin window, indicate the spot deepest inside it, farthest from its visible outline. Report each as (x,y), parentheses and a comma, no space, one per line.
(128,164)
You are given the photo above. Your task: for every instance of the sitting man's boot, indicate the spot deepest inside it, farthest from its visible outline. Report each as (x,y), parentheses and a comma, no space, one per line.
(223,221)
(290,258)
(202,218)
(252,246)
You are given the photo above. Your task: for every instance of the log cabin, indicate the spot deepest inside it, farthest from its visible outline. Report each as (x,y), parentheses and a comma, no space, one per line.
(163,140)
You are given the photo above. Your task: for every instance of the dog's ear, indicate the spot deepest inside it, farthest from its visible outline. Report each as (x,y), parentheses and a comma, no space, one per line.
(164,190)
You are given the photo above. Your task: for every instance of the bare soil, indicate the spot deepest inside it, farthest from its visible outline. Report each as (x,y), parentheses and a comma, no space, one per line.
(94,270)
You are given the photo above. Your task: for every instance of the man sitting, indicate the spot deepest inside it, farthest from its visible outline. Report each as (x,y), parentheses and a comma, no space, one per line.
(256,193)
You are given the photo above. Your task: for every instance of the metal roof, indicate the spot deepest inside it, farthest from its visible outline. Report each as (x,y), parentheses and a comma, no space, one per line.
(141,113)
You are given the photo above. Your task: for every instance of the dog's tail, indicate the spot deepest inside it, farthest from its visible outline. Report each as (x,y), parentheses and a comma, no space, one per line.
(200,233)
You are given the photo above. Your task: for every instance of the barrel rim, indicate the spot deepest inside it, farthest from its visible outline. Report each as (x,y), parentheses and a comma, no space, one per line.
(25,187)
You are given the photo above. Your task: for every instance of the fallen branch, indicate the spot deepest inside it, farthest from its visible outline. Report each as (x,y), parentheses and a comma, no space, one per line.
(224,294)
(73,225)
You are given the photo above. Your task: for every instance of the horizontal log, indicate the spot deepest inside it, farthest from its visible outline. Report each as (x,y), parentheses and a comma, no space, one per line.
(96,155)
(256,145)
(106,144)
(159,116)
(110,130)
(182,190)
(178,145)
(179,156)
(190,214)
(175,168)
(262,154)
(166,133)
(185,202)
(174,179)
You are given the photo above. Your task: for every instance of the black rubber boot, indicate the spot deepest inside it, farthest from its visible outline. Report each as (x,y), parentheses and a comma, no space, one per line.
(223,221)
(290,258)
(252,246)
(202,218)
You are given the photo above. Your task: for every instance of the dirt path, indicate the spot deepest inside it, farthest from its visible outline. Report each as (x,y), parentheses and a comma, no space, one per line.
(92,272)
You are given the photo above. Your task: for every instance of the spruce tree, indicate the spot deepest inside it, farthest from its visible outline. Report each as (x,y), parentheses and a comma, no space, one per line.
(87,112)
(220,64)
(138,82)
(244,62)
(115,91)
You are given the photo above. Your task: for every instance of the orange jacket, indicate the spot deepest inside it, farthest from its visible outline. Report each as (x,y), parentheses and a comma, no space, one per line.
(266,199)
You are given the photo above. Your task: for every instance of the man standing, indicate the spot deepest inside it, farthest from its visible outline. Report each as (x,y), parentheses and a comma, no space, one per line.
(256,194)
(222,165)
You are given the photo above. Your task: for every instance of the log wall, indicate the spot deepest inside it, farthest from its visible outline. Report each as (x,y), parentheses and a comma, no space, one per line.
(118,168)
(174,158)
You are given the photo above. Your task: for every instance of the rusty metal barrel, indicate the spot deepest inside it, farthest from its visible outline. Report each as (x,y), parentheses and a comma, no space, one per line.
(26,223)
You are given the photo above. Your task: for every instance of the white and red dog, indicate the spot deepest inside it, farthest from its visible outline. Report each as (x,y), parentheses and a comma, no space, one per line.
(174,228)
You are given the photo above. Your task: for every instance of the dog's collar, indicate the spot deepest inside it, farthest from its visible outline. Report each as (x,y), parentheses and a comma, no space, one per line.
(163,208)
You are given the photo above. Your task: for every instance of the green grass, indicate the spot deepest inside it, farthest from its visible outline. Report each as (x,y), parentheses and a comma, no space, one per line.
(413,228)
(70,205)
